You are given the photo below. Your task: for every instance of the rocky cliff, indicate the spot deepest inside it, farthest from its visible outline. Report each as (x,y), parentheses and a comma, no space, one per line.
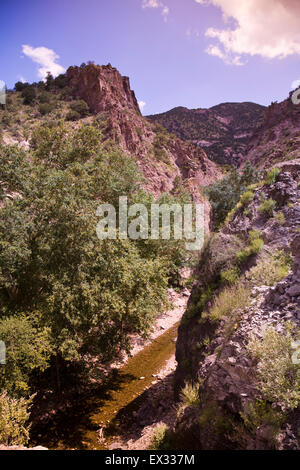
(278,138)
(238,375)
(164,159)
(223,130)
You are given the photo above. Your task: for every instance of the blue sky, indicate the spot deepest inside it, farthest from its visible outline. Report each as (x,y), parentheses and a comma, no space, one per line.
(194,53)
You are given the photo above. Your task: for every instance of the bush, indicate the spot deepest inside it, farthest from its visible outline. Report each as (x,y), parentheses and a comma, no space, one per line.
(267,207)
(229,300)
(247,197)
(14,415)
(261,413)
(279,378)
(225,194)
(272,176)
(72,116)
(189,395)
(80,107)
(161,438)
(270,269)
(27,349)
(230,276)
(29,95)
(280,218)
(45,108)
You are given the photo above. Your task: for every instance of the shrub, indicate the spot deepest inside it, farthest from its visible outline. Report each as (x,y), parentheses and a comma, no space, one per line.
(28,349)
(14,415)
(272,176)
(161,438)
(230,276)
(256,245)
(270,269)
(279,378)
(28,94)
(189,395)
(267,207)
(44,97)
(247,197)
(80,107)
(280,218)
(45,108)
(225,194)
(260,413)
(72,116)
(229,300)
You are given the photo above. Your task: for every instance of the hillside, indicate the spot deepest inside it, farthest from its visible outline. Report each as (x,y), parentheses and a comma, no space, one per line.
(278,137)
(237,382)
(164,159)
(223,130)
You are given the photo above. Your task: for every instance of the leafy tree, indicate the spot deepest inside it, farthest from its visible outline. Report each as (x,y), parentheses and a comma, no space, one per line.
(19,86)
(91,295)
(14,415)
(225,194)
(80,107)
(27,349)
(29,94)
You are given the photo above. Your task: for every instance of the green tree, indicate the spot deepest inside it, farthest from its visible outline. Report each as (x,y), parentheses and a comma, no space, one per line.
(225,194)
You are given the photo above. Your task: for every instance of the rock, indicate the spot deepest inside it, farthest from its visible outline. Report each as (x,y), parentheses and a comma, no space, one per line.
(294,291)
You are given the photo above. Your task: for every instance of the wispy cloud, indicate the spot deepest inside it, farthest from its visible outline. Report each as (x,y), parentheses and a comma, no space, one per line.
(142,104)
(165,10)
(268,28)
(45,58)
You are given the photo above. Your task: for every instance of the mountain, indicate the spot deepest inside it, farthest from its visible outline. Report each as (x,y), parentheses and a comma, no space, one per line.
(223,130)
(163,158)
(277,139)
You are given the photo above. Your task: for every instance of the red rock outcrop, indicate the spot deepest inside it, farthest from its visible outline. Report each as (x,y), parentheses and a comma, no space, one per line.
(163,158)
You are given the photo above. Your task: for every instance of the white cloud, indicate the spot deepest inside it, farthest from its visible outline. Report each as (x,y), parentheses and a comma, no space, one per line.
(268,28)
(295,84)
(142,104)
(46,58)
(22,79)
(157,4)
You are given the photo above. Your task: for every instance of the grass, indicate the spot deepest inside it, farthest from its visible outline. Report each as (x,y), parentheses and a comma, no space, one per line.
(272,176)
(280,218)
(278,377)
(161,438)
(271,268)
(229,300)
(189,395)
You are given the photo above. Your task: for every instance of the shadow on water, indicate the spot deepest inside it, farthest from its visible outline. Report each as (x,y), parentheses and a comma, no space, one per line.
(121,394)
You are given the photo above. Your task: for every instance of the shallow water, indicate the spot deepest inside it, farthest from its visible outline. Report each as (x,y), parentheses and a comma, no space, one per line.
(115,400)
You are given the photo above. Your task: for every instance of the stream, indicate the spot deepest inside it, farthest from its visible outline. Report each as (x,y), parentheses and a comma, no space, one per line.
(114,402)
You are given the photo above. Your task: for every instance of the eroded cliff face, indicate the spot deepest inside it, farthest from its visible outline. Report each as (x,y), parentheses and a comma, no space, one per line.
(278,138)
(235,341)
(102,87)
(164,159)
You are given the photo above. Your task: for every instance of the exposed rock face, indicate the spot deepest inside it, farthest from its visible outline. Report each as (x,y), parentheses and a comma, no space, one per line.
(215,353)
(223,130)
(102,87)
(278,138)
(164,159)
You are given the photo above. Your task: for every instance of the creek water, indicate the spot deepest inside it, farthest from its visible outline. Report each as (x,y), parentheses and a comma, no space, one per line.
(113,404)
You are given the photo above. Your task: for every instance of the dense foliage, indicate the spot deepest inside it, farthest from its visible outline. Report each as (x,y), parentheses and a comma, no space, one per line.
(65,295)
(225,194)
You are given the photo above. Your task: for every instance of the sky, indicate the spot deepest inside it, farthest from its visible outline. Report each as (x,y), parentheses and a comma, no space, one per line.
(193,53)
